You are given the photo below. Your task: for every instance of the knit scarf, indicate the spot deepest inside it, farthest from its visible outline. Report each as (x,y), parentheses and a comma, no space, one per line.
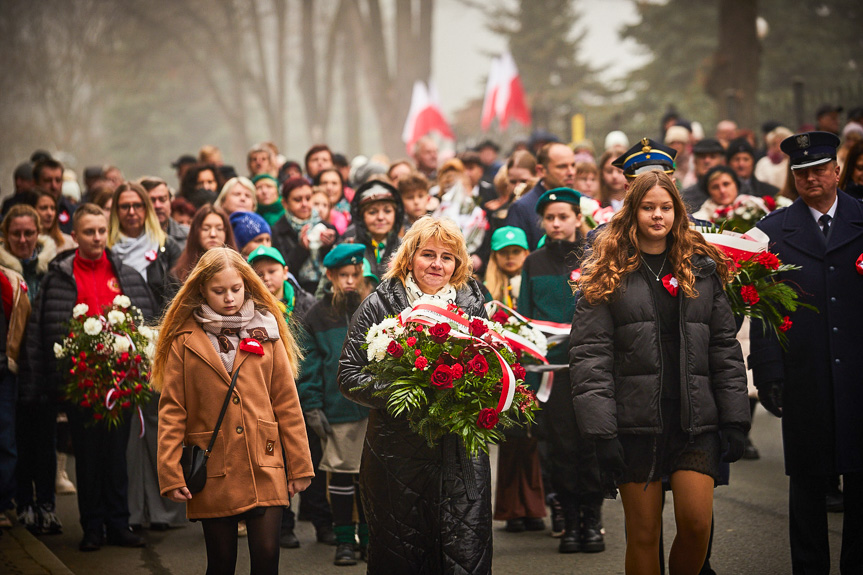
(271,213)
(311,269)
(226,331)
(133,251)
(446,294)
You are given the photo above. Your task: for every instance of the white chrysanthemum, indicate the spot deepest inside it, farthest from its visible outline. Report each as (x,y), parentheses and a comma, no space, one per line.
(80,310)
(150,351)
(121,344)
(376,330)
(58,350)
(147,332)
(92,326)
(536,337)
(377,349)
(122,301)
(115,317)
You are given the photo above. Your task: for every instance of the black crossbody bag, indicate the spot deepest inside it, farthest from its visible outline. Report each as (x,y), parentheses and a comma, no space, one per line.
(194,459)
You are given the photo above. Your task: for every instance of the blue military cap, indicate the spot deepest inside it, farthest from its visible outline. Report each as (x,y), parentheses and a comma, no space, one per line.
(810,149)
(646,156)
(567,195)
(344,255)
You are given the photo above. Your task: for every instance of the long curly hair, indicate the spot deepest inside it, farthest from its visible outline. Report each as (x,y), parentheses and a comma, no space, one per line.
(190,298)
(615,252)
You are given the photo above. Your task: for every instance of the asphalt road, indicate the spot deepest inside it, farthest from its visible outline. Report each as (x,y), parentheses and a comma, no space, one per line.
(751,534)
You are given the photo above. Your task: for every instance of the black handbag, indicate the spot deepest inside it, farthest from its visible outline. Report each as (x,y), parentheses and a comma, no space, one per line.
(194,459)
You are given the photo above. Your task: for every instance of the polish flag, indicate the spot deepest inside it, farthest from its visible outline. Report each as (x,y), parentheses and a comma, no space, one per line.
(504,94)
(424,116)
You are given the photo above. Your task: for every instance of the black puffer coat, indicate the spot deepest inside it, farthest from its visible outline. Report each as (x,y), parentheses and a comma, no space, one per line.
(615,361)
(40,380)
(428,509)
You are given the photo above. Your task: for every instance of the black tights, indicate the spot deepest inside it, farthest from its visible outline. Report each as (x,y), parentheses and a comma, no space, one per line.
(221,539)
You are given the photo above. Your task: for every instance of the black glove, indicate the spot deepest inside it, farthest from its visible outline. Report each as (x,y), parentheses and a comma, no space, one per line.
(770,396)
(317,420)
(733,444)
(609,454)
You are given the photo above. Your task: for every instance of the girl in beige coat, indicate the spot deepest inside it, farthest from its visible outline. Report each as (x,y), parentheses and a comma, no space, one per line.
(222,321)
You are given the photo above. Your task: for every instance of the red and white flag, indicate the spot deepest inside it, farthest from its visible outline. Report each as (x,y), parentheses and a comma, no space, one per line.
(504,94)
(425,116)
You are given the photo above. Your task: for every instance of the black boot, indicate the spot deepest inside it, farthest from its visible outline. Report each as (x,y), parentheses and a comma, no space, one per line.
(570,541)
(592,540)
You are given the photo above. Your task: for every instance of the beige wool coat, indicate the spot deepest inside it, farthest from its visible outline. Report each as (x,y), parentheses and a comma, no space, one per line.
(246,468)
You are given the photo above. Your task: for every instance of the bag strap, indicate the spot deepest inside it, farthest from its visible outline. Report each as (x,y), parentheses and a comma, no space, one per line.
(224,409)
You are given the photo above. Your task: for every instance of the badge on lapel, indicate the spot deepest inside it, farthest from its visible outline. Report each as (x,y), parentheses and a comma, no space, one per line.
(150,256)
(859,264)
(252,346)
(575,275)
(670,284)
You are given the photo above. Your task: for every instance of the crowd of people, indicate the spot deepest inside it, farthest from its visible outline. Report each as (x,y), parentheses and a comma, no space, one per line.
(303,258)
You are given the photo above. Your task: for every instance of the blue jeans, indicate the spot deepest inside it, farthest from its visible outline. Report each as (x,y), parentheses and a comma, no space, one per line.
(8,449)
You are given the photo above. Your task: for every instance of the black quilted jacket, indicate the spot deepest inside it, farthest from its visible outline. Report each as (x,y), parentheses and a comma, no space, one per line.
(428,509)
(40,381)
(615,365)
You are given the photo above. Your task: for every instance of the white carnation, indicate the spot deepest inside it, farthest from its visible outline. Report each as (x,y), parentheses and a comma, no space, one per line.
(92,326)
(58,350)
(377,349)
(121,344)
(116,317)
(122,301)
(147,332)
(80,310)
(376,330)
(150,351)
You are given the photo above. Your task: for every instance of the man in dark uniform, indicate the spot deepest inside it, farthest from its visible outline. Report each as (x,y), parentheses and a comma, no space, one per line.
(815,384)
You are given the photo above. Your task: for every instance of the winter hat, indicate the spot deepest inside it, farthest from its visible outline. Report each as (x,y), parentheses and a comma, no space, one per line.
(247,226)
(739,146)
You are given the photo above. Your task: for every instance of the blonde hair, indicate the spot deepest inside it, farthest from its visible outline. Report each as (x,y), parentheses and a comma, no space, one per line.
(151,220)
(241,180)
(190,298)
(422,231)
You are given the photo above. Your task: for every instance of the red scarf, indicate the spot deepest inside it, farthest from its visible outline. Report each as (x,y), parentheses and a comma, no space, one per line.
(97,284)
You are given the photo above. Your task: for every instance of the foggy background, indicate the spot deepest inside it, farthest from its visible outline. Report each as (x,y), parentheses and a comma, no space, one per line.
(137,83)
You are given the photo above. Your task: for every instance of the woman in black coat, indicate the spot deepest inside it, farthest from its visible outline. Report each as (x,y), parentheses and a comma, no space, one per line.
(428,508)
(377,214)
(657,371)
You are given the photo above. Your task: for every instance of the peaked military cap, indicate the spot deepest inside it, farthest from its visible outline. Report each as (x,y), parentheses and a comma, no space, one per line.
(810,149)
(646,156)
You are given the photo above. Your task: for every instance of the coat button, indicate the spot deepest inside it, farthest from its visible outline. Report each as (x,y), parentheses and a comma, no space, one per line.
(835,330)
(836,360)
(832,300)
(239,429)
(832,268)
(236,400)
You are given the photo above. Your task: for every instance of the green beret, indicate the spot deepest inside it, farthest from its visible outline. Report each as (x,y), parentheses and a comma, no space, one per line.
(344,255)
(508,236)
(567,195)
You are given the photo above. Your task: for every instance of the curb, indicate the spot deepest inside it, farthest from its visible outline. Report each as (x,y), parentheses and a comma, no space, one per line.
(22,554)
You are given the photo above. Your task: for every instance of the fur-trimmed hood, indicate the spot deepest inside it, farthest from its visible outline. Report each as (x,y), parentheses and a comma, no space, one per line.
(48,251)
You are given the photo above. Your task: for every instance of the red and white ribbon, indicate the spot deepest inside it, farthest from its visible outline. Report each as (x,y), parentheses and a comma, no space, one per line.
(739,246)
(429,315)
(547,327)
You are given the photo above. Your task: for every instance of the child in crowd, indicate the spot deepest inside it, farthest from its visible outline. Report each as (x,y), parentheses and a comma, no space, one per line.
(224,326)
(270,266)
(250,231)
(508,252)
(339,422)
(414,190)
(267,194)
(587,179)
(321,202)
(546,294)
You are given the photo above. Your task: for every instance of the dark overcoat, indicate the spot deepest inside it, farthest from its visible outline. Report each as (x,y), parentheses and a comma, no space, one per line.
(822,369)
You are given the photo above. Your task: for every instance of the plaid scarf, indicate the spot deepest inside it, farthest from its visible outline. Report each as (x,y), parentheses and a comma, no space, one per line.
(226,331)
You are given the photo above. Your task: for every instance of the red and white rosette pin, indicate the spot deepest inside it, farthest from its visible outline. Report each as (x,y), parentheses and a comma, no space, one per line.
(252,345)
(150,256)
(575,275)
(669,282)
(859,264)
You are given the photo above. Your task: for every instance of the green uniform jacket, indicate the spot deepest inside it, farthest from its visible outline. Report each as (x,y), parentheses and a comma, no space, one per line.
(317,385)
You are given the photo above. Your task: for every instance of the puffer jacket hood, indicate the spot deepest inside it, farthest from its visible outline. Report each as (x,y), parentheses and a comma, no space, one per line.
(428,508)
(387,193)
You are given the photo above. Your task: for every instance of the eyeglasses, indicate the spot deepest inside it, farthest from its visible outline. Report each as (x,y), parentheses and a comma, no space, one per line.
(137,207)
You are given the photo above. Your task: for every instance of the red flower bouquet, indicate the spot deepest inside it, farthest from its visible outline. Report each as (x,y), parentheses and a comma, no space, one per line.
(106,360)
(462,377)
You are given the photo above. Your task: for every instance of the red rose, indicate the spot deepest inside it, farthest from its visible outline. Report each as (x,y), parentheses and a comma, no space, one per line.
(411,341)
(138,387)
(478,327)
(138,359)
(97,416)
(487,418)
(126,404)
(500,316)
(442,377)
(395,350)
(478,365)
(457,371)
(421,363)
(786,324)
(770,202)
(124,357)
(439,332)
(85,403)
(519,371)
(768,260)
(418,328)
(749,295)
(418,352)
